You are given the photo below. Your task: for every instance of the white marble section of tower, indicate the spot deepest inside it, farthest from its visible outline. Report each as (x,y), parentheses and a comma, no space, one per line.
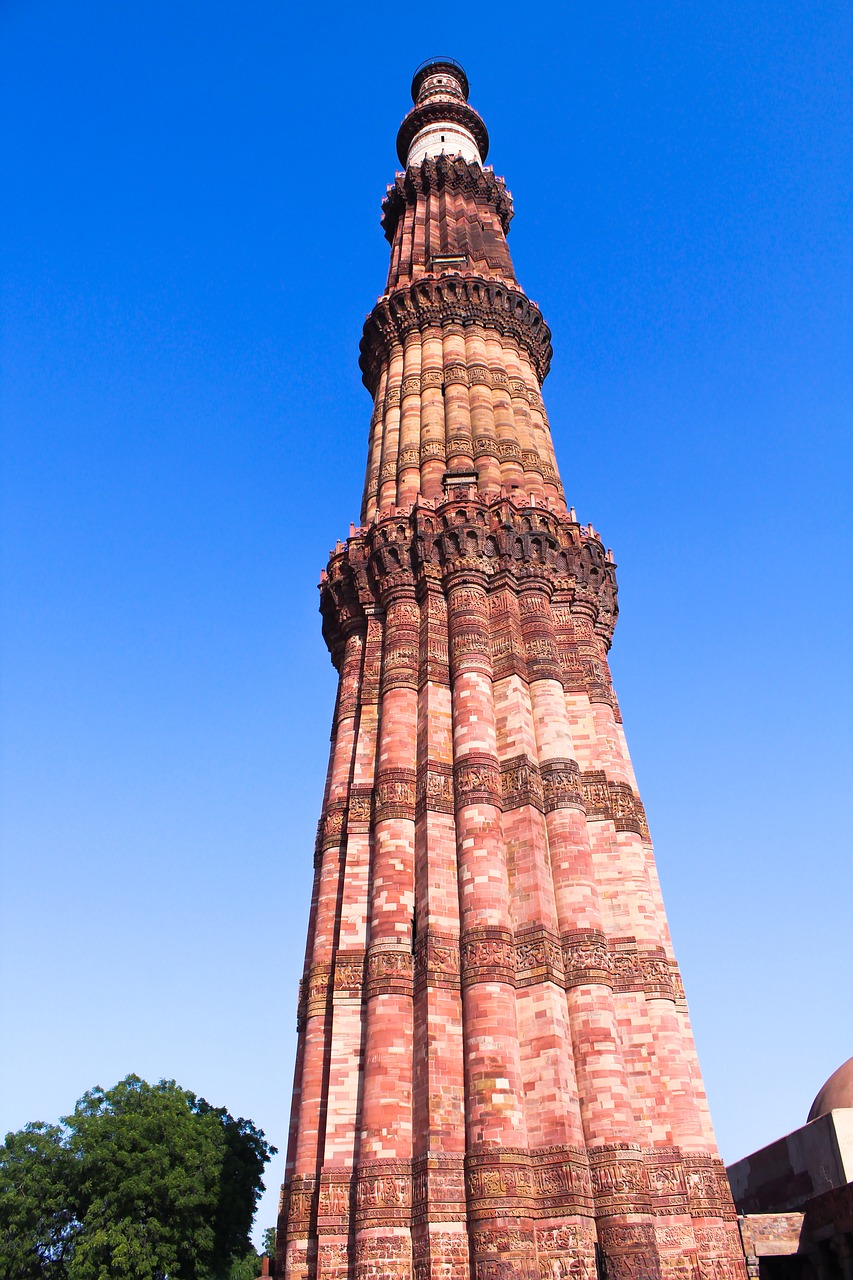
(442,137)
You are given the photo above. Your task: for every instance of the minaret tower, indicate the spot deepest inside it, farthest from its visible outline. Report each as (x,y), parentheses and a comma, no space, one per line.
(496,1076)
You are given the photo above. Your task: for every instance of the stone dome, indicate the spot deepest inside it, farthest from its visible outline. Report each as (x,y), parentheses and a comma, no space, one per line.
(836,1093)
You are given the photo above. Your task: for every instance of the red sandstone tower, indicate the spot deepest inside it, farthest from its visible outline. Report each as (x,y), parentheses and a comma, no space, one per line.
(496,1075)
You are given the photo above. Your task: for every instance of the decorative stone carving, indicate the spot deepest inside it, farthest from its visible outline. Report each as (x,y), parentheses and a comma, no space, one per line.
(437,959)
(538,958)
(618,1179)
(521,783)
(477,779)
(395,794)
(587,958)
(390,971)
(430,303)
(488,955)
(561,785)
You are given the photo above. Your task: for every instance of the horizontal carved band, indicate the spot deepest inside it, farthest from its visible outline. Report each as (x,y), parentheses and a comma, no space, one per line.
(333,823)
(506,1184)
(485,447)
(395,794)
(477,780)
(434,788)
(496,1178)
(437,960)
(438,1188)
(488,955)
(431,303)
(614,800)
(444,173)
(619,1180)
(383,1193)
(389,972)
(538,958)
(561,784)
(521,783)
(469,540)
(360,809)
(587,958)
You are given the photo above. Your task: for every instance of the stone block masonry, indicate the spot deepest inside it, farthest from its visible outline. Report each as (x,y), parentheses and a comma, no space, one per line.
(495,1074)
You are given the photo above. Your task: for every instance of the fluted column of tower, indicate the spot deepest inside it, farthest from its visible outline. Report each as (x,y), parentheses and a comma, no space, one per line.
(496,1075)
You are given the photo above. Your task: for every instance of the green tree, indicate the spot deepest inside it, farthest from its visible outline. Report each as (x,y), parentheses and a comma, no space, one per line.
(248,1268)
(37,1198)
(147,1182)
(269,1243)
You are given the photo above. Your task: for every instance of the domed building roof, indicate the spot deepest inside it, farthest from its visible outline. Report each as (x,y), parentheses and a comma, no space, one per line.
(836,1093)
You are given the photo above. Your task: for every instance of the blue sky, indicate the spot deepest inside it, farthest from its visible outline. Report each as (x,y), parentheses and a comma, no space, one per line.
(190,243)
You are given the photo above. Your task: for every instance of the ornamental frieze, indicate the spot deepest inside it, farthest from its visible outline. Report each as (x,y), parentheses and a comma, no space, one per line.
(587,958)
(333,1203)
(571,1238)
(449,1246)
(437,959)
(493,1177)
(708,1187)
(395,794)
(486,447)
(445,173)
(521,783)
(677,982)
(349,974)
(666,1180)
(532,460)
(487,953)
(722,1241)
(561,784)
(389,972)
(452,299)
(656,973)
(432,449)
(596,793)
(538,958)
(623,807)
(360,809)
(477,779)
(509,451)
(383,1193)
(629,1250)
(618,1179)
(434,790)
(561,1182)
(459,445)
(492,541)
(409,457)
(619,963)
(297,1204)
(627,974)
(438,1188)
(469,645)
(333,823)
(389,1257)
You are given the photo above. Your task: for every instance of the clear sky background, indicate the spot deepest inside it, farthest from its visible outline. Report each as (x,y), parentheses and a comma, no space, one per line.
(190,242)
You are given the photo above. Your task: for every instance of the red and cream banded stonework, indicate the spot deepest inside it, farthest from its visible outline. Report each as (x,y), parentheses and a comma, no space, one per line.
(496,1076)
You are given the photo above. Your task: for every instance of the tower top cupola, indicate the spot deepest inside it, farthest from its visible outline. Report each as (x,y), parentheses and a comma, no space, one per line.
(442,122)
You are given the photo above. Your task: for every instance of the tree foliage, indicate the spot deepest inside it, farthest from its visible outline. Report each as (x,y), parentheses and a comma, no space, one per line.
(142,1181)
